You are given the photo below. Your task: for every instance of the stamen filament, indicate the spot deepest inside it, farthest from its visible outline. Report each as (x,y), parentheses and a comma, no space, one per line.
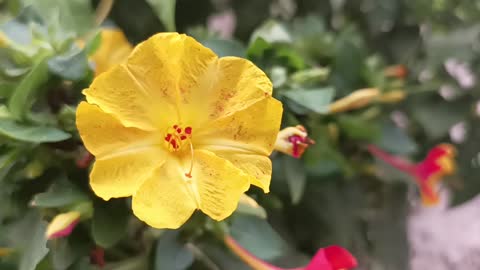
(189,174)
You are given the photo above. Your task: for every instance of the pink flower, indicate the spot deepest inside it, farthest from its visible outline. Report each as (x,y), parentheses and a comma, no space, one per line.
(438,163)
(329,258)
(223,23)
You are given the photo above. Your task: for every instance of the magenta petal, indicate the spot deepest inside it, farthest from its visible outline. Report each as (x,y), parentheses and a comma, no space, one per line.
(65,232)
(332,258)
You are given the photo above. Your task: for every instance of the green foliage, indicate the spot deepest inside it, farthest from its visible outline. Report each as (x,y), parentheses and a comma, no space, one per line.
(335,194)
(165,10)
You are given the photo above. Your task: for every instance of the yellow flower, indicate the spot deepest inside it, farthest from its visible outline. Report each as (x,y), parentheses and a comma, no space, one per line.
(114,49)
(179,129)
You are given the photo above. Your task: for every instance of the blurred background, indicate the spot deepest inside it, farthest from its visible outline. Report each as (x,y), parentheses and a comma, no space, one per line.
(417,59)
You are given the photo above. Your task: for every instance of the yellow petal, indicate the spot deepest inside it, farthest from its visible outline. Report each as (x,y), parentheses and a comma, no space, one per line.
(257,167)
(169,197)
(233,84)
(220,184)
(122,173)
(62,225)
(118,93)
(114,49)
(173,67)
(103,134)
(181,71)
(164,200)
(246,139)
(252,130)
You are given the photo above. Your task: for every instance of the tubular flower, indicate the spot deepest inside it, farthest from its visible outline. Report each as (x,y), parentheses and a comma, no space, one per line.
(293,141)
(62,225)
(356,100)
(114,49)
(179,129)
(329,258)
(438,163)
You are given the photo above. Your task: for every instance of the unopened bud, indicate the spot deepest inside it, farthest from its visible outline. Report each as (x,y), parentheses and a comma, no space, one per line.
(356,100)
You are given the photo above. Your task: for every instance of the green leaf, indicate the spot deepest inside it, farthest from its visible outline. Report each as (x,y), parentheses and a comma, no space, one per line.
(24,95)
(295,176)
(395,140)
(223,47)
(171,254)
(316,100)
(6,89)
(18,32)
(137,263)
(272,32)
(222,257)
(83,264)
(61,193)
(94,43)
(75,15)
(109,222)
(457,43)
(257,48)
(29,236)
(33,134)
(349,60)
(70,66)
(258,237)
(165,10)
(357,128)
(388,226)
(62,254)
(310,76)
(247,209)
(438,118)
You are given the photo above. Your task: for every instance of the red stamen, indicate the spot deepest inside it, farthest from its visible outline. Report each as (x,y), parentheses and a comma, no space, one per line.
(188,130)
(175,126)
(299,144)
(183,137)
(168,137)
(179,130)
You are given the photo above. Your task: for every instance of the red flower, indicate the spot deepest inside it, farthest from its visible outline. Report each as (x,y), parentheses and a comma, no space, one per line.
(329,258)
(438,163)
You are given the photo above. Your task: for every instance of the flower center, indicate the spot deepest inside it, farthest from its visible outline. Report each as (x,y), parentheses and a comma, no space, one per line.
(176,137)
